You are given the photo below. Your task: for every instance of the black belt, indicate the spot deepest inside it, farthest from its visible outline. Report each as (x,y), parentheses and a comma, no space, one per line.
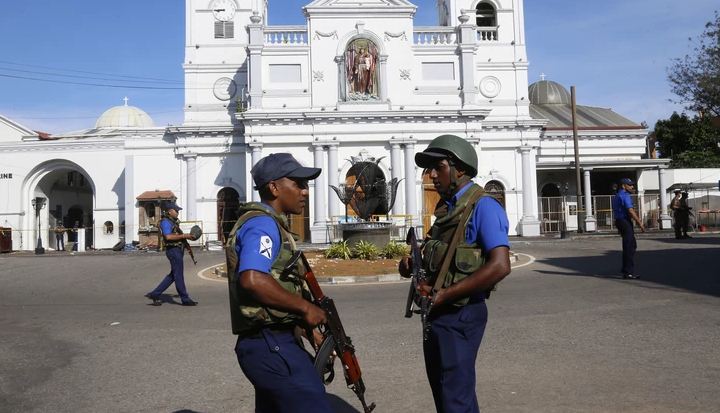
(257,333)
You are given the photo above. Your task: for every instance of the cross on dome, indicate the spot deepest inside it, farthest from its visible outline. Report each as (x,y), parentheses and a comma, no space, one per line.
(542,76)
(125,99)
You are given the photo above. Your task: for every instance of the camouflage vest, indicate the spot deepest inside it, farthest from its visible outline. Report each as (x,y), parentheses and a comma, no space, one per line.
(246,313)
(162,242)
(466,258)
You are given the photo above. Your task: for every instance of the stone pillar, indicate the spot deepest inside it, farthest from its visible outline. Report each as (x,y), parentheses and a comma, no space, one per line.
(257,41)
(342,82)
(410,184)
(467,46)
(590,221)
(382,76)
(665,220)
(255,156)
(396,170)
(333,179)
(191,189)
(319,231)
(529,224)
(130,213)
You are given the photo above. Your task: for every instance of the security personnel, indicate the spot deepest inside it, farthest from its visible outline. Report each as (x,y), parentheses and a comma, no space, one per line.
(677,214)
(268,299)
(470,233)
(174,251)
(684,214)
(625,214)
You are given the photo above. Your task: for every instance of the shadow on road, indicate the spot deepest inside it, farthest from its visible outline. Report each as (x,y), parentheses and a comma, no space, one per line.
(339,405)
(692,269)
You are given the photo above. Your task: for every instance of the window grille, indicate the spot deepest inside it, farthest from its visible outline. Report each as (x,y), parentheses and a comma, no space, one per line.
(224,30)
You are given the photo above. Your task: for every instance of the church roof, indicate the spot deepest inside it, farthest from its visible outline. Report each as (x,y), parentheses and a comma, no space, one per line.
(124,117)
(588,117)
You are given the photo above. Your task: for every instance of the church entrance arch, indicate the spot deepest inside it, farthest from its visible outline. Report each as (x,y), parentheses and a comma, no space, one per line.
(228,202)
(369,189)
(497,190)
(430,201)
(69,197)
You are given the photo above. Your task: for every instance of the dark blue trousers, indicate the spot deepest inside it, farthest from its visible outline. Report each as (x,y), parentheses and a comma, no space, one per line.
(450,354)
(176,275)
(282,373)
(629,245)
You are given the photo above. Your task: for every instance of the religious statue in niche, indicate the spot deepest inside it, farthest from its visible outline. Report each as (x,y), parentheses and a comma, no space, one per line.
(361,58)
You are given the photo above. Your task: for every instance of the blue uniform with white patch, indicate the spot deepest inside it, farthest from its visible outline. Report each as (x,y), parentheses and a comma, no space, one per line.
(456,333)
(621,203)
(174,254)
(281,371)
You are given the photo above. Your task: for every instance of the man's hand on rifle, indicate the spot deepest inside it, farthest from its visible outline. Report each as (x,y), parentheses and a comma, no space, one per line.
(313,315)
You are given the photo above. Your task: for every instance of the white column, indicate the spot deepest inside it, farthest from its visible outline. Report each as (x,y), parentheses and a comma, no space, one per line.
(467,47)
(191,190)
(131,214)
(333,179)
(319,232)
(255,156)
(396,170)
(383,78)
(410,183)
(665,220)
(529,224)
(590,221)
(257,41)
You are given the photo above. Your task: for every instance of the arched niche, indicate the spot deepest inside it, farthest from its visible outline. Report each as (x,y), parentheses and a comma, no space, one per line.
(362,68)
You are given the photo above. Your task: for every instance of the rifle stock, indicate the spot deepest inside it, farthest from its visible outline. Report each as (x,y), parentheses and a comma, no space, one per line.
(335,339)
(416,297)
(187,246)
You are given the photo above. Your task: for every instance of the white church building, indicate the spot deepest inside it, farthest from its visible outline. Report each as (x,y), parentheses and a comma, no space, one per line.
(358,83)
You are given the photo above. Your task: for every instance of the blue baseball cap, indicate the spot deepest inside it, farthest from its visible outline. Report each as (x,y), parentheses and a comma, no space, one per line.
(168,205)
(627,181)
(280,165)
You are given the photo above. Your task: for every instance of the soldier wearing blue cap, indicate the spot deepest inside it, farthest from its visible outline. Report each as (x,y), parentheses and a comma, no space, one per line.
(174,251)
(268,299)
(625,214)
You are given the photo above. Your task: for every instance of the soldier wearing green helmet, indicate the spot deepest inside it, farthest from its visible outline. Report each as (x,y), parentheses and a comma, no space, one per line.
(465,254)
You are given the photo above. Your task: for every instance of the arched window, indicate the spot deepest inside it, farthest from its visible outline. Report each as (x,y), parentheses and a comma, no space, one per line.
(496,190)
(108,227)
(361,64)
(550,190)
(486,16)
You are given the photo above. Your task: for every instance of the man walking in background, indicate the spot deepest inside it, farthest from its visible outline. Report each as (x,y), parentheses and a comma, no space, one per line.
(625,214)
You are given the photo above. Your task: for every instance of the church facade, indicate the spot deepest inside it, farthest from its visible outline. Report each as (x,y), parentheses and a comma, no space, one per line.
(358,84)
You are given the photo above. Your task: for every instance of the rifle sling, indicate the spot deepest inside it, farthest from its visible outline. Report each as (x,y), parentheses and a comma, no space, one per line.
(459,231)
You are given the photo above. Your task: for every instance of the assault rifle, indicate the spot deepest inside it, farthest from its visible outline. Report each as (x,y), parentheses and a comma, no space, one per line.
(419,298)
(335,341)
(187,246)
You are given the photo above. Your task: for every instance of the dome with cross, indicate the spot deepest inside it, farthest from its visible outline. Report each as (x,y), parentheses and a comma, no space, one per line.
(547,92)
(124,116)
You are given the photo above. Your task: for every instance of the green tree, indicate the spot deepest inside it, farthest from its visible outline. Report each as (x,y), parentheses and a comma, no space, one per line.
(695,78)
(690,143)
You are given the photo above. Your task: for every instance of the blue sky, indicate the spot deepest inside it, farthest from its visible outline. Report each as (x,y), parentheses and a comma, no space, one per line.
(615,52)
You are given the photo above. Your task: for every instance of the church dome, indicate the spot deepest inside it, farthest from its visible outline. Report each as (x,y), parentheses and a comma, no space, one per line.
(547,92)
(124,117)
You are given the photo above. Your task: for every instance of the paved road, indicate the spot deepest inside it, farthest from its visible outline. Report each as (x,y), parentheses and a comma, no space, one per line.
(565,335)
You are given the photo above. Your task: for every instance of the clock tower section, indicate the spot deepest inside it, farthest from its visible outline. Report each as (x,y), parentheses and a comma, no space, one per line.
(215,65)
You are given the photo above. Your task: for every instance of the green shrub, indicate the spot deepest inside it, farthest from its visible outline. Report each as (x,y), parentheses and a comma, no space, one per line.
(339,250)
(395,250)
(365,251)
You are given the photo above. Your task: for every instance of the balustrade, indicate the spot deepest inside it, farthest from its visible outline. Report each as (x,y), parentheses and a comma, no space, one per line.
(435,36)
(286,36)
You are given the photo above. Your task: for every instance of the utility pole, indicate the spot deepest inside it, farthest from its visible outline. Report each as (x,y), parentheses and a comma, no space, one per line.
(578,182)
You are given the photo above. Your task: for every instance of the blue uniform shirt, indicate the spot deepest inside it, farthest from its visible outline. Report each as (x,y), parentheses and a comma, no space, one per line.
(257,244)
(488,224)
(621,203)
(166,227)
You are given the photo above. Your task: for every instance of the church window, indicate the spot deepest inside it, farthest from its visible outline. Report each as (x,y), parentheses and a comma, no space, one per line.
(108,227)
(486,16)
(224,30)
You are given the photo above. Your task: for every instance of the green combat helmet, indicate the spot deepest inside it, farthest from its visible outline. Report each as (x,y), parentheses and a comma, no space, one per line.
(449,146)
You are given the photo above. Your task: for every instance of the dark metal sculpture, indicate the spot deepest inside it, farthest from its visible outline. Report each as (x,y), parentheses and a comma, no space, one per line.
(371,192)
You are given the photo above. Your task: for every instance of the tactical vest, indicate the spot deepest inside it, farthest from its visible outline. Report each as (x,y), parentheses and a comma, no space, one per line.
(246,313)
(162,242)
(466,258)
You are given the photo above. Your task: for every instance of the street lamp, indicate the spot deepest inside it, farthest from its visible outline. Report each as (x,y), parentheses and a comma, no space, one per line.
(39,203)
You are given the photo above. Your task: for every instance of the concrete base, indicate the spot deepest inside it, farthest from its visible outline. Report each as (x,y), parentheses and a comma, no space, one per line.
(590,224)
(665,222)
(529,228)
(320,234)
